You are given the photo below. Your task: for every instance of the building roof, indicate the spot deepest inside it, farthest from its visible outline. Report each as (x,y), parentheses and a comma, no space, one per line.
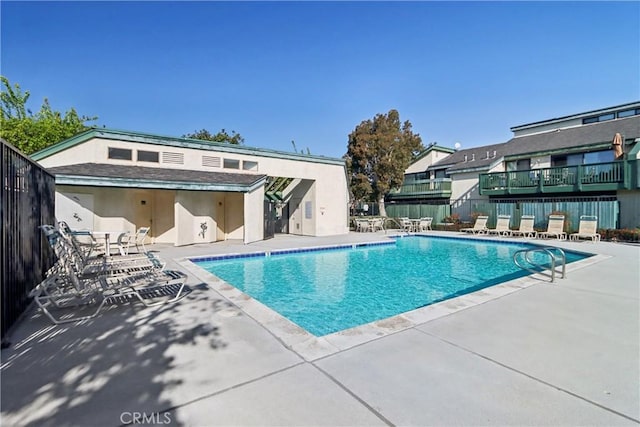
(129,136)
(108,175)
(577,116)
(595,136)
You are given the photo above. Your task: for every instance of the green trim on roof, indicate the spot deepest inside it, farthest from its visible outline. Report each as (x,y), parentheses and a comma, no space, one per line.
(97,181)
(63,145)
(197,144)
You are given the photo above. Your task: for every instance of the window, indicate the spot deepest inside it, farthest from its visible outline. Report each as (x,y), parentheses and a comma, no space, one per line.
(600,118)
(441,173)
(599,157)
(231,164)
(249,166)
(627,113)
(148,156)
(566,160)
(120,153)
(519,165)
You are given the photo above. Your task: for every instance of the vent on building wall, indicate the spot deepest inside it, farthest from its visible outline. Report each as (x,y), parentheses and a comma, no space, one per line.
(211,161)
(175,158)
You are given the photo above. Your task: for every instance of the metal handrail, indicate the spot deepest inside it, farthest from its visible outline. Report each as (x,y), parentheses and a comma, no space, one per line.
(549,250)
(397,223)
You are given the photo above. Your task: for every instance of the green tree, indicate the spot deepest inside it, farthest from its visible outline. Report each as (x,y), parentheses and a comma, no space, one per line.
(378,153)
(32,132)
(222,136)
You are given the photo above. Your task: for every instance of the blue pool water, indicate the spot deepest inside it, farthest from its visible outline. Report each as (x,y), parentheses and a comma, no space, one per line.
(330,290)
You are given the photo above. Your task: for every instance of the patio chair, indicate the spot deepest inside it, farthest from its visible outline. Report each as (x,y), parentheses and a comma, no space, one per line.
(555,228)
(123,242)
(525,229)
(502,226)
(362,225)
(65,246)
(480,226)
(376,224)
(139,239)
(406,224)
(587,229)
(425,224)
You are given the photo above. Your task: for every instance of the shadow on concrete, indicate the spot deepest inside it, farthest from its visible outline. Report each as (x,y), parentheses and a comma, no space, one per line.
(105,370)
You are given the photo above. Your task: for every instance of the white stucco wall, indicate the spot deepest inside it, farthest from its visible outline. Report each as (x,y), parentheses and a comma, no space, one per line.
(422,164)
(330,211)
(465,186)
(194,217)
(254,217)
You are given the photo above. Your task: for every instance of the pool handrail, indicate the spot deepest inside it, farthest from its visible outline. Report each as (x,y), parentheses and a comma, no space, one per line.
(549,250)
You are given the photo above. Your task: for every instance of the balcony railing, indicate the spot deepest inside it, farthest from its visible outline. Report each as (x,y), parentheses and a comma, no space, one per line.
(423,189)
(566,179)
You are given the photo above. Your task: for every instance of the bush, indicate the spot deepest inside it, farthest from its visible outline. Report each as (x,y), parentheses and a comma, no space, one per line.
(620,235)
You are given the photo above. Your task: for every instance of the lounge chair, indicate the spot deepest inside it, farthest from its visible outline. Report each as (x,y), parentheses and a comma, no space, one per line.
(526,227)
(587,229)
(555,228)
(66,247)
(68,285)
(425,224)
(502,226)
(480,226)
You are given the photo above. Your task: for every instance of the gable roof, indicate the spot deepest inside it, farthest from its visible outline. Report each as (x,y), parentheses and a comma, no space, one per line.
(129,136)
(595,136)
(108,175)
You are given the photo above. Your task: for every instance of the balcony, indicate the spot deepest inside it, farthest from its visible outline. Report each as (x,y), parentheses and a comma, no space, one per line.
(595,177)
(423,189)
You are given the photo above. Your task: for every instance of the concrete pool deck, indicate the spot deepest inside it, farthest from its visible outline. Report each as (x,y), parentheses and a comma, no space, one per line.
(534,353)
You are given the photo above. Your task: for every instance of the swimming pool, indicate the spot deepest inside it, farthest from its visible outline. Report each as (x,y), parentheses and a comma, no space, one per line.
(333,289)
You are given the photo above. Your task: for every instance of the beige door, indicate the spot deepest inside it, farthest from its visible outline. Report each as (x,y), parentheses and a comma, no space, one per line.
(144,209)
(295,218)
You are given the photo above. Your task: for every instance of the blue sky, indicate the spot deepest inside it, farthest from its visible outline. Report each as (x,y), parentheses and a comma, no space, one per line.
(312,71)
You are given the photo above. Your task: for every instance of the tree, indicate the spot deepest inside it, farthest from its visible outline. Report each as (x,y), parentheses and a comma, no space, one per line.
(222,136)
(378,153)
(32,132)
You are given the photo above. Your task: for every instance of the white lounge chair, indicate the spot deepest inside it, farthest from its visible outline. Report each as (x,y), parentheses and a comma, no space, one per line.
(69,286)
(587,229)
(502,226)
(555,228)
(526,227)
(480,226)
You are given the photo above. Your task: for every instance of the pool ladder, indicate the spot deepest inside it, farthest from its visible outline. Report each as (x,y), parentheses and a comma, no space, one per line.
(555,255)
(400,227)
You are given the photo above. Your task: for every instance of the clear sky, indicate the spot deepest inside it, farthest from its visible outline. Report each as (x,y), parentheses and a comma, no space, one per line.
(312,71)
